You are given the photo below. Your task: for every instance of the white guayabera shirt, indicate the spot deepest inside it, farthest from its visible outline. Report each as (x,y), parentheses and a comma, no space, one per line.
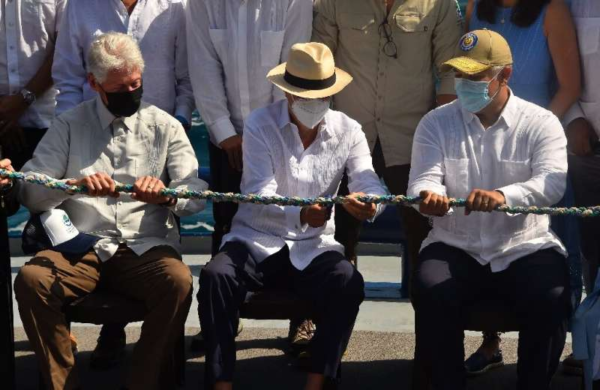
(88,140)
(232,46)
(158,26)
(276,163)
(523,154)
(28,30)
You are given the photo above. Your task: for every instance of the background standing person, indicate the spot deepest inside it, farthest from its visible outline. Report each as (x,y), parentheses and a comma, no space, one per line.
(544,44)
(583,129)
(158,26)
(392,49)
(232,46)
(28,33)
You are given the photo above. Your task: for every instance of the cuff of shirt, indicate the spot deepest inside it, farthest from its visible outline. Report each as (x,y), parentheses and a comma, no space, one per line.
(575,112)
(222,129)
(292,219)
(184,112)
(378,211)
(447,86)
(514,195)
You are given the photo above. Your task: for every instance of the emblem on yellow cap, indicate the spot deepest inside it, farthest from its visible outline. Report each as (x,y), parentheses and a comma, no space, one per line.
(468,42)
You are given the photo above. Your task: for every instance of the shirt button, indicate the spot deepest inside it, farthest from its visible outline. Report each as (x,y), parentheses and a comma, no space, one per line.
(381,73)
(10,24)
(12,47)
(380,97)
(378,119)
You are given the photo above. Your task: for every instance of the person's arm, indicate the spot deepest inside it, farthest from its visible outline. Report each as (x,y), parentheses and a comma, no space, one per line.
(206,73)
(182,166)
(359,167)
(50,158)
(549,169)
(259,179)
(68,69)
(325,28)
(446,35)
(184,96)
(12,107)
(562,42)
(427,162)
(298,27)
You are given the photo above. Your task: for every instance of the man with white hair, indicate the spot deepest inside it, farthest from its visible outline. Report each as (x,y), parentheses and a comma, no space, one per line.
(135,252)
(492,148)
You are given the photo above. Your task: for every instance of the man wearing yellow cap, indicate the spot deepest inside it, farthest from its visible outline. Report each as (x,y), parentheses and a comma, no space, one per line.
(493,149)
(294,147)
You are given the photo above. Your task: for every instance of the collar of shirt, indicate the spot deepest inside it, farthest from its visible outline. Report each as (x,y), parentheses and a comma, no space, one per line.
(107,118)
(508,113)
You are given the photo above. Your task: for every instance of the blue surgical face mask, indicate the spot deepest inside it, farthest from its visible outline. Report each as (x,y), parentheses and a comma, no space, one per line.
(474,95)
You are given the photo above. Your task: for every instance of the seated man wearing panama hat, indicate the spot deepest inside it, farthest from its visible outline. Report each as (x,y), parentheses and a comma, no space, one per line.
(493,149)
(294,147)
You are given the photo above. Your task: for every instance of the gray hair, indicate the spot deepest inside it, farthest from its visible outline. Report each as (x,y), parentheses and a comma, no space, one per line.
(114,51)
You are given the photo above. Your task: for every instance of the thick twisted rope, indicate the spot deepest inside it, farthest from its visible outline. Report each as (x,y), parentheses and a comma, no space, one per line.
(404,200)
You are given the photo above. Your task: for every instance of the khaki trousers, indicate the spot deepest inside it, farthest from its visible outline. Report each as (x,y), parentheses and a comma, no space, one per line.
(52,280)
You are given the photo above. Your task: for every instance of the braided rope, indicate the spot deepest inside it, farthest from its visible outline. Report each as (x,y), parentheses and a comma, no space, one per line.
(48,182)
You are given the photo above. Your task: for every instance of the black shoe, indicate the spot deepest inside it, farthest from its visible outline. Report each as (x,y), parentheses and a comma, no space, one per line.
(477,364)
(109,351)
(570,366)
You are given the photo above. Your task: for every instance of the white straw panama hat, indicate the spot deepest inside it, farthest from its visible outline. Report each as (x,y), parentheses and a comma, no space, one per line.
(310,72)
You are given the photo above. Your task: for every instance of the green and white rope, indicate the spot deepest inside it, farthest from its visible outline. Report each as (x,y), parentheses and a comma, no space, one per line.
(404,200)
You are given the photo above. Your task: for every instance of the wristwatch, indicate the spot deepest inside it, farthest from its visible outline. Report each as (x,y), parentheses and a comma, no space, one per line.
(28,96)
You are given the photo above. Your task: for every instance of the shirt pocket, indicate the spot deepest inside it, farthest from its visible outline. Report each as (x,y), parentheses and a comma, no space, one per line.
(219,41)
(411,22)
(588,35)
(271,43)
(456,178)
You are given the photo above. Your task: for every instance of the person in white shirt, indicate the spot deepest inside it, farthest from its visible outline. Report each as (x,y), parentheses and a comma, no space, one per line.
(115,137)
(492,148)
(232,45)
(28,32)
(583,130)
(159,28)
(293,147)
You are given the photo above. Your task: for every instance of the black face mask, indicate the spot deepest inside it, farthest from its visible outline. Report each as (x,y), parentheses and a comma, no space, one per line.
(122,104)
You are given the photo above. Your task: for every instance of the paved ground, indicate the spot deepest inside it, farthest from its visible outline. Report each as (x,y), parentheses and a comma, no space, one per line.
(375,360)
(379,355)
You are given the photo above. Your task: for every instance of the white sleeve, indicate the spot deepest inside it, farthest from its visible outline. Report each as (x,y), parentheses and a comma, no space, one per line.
(68,68)
(549,170)
(427,164)
(206,72)
(184,101)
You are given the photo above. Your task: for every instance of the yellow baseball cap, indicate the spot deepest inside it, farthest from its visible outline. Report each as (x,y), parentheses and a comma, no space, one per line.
(481,50)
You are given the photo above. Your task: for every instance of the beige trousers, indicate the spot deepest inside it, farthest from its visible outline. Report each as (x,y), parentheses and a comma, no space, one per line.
(51,280)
